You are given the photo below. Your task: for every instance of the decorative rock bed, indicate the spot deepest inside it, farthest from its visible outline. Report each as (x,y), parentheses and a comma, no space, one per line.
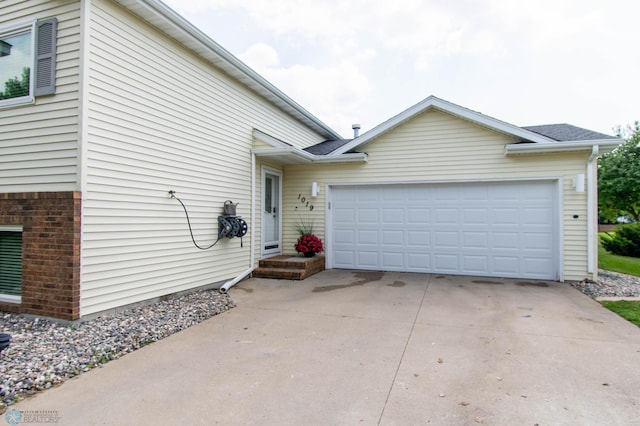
(610,284)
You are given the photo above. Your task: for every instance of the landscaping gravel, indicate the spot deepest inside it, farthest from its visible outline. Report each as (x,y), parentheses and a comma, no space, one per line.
(44,353)
(610,284)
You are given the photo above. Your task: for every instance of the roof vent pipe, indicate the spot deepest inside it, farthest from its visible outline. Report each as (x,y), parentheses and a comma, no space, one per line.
(356,130)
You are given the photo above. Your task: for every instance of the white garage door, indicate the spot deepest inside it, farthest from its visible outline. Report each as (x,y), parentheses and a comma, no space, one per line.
(486,229)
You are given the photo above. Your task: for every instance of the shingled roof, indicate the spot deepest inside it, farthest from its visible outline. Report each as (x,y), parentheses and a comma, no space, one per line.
(326,147)
(567,132)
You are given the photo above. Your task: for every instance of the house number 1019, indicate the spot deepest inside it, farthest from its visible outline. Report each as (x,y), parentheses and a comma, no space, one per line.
(303,200)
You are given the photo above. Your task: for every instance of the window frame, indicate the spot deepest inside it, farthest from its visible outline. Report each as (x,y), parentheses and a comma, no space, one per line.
(13,30)
(9,298)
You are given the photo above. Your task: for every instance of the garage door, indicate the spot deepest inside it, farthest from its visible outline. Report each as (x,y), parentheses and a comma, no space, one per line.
(486,229)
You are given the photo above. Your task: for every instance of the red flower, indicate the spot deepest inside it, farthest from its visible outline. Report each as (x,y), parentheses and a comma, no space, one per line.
(309,243)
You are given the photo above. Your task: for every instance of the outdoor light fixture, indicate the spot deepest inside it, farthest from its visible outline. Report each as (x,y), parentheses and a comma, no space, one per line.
(314,189)
(578,182)
(5,48)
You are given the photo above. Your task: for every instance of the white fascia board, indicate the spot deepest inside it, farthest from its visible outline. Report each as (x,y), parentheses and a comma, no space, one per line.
(171,23)
(448,107)
(605,145)
(292,155)
(354,157)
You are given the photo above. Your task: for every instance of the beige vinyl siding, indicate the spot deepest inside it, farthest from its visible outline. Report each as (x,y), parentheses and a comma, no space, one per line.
(438,147)
(39,142)
(160,118)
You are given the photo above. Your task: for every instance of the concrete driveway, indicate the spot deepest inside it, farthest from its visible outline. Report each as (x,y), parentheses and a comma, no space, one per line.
(366,348)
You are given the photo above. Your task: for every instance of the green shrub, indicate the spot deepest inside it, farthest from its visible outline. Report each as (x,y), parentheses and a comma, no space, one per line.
(624,242)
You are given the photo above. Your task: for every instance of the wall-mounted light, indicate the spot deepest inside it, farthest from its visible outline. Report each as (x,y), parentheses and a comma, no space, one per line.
(578,182)
(314,189)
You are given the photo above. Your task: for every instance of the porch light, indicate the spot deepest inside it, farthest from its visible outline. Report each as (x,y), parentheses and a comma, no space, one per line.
(578,182)
(314,189)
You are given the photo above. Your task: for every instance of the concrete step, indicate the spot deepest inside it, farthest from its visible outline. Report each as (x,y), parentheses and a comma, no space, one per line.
(290,267)
(280,273)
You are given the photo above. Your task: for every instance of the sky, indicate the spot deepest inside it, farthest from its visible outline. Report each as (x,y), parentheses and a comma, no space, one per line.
(365,61)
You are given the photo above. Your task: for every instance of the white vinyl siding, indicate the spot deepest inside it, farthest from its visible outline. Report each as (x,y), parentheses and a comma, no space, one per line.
(438,147)
(38,142)
(162,119)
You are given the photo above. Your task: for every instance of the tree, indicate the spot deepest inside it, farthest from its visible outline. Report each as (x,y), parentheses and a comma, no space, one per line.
(619,177)
(14,87)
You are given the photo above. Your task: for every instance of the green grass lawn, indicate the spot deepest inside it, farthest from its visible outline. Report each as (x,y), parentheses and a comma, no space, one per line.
(615,263)
(629,310)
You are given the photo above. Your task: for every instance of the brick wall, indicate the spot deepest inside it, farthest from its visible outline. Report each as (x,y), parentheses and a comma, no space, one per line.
(50,251)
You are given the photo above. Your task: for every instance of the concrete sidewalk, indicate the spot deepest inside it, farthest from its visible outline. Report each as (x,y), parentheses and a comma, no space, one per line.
(367,348)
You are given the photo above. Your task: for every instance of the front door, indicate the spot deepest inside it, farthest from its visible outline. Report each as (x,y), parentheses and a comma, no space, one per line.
(271,244)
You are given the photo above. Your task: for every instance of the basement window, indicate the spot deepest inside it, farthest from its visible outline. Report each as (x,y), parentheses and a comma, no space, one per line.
(10,264)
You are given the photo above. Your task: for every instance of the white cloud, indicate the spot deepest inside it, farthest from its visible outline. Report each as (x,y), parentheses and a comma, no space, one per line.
(366,60)
(260,56)
(332,92)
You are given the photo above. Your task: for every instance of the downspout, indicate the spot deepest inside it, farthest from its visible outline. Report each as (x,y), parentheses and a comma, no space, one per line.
(226,286)
(591,198)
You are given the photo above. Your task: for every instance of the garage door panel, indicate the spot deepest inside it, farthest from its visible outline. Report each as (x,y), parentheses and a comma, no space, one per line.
(506,265)
(500,229)
(537,241)
(503,193)
(344,216)
(476,193)
(475,240)
(445,240)
(393,215)
(540,193)
(446,263)
(446,216)
(392,193)
(475,216)
(367,237)
(418,262)
(418,195)
(367,216)
(418,239)
(344,236)
(344,258)
(505,216)
(419,216)
(536,216)
(365,195)
(533,266)
(392,260)
(393,238)
(444,193)
(475,264)
(368,259)
(505,240)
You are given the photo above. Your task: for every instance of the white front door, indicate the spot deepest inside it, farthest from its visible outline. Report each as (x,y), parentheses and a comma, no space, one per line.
(271,196)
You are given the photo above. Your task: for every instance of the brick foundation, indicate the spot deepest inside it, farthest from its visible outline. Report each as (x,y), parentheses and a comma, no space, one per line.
(50,251)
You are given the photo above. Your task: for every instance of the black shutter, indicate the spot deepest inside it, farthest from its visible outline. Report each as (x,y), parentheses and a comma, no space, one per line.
(45,66)
(10,263)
